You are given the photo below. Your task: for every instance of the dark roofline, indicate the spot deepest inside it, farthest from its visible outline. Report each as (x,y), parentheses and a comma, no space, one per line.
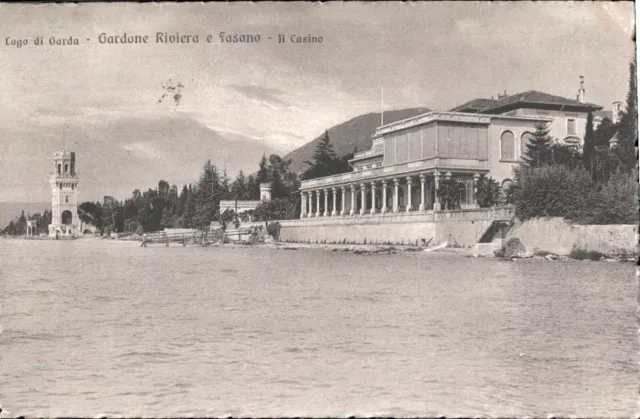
(574,104)
(585,107)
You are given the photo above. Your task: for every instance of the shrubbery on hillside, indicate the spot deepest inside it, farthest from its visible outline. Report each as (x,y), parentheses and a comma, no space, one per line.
(561,191)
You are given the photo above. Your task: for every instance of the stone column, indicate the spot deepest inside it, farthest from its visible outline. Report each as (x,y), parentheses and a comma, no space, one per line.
(384,196)
(476,178)
(343,191)
(317,202)
(436,179)
(396,183)
(408,193)
(325,193)
(335,203)
(353,200)
(363,198)
(373,197)
(303,204)
(421,192)
(310,203)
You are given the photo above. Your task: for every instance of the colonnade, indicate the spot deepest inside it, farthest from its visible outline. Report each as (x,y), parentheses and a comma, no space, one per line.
(349,203)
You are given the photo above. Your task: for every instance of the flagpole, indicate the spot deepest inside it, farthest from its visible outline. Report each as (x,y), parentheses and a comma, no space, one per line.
(381,103)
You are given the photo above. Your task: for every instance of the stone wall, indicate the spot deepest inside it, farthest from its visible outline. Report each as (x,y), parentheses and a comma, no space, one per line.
(557,236)
(460,227)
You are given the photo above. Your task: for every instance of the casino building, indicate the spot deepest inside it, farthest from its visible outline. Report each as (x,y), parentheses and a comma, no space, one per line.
(408,160)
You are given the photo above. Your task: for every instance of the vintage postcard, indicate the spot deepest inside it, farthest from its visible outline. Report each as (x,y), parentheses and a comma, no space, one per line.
(318,209)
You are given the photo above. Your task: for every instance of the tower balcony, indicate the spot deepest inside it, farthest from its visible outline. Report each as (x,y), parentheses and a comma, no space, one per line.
(63,177)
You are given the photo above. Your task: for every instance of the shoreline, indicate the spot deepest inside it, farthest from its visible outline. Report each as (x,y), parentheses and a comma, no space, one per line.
(358,249)
(372,249)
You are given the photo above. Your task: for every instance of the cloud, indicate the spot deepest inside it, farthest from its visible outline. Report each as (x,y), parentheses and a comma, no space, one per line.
(142,150)
(268,96)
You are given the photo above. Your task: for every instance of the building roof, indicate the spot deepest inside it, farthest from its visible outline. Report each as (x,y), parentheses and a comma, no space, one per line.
(537,98)
(475,104)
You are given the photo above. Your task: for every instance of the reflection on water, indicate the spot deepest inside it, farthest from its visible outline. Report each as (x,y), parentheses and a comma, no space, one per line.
(93,327)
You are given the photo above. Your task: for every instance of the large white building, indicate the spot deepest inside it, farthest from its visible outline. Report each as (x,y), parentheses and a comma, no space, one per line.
(409,158)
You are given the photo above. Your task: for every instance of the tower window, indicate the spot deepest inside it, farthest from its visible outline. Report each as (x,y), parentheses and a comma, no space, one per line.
(571,127)
(59,168)
(66,199)
(66,168)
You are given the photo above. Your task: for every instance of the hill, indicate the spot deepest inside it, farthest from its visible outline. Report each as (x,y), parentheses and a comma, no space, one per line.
(355,132)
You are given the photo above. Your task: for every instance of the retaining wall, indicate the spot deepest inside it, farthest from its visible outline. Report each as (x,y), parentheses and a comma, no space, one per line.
(557,236)
(460,227)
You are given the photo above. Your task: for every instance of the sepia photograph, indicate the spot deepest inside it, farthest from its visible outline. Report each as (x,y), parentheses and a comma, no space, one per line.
(338,209)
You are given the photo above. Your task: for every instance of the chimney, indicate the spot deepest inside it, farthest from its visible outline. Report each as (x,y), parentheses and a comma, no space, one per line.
(581,91)
(617,110)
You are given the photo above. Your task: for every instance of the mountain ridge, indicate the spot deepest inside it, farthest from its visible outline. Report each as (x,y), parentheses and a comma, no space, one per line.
(354,133)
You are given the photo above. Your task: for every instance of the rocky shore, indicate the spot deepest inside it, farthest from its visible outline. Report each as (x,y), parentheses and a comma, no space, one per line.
(514,249)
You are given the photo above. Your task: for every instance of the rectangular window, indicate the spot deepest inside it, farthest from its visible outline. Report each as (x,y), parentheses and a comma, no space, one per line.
(571,127)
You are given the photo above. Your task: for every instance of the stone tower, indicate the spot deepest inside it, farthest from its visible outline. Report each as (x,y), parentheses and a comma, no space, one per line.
(265,192)
(64,196)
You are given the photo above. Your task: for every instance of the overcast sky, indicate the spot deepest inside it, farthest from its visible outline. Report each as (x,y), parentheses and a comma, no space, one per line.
(435,55)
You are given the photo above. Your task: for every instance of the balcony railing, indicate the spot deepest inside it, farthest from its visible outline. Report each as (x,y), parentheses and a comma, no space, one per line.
(368,153)
(402,169)
(64,175)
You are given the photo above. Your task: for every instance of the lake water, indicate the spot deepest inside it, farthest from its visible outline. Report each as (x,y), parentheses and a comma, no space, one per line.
(93,327)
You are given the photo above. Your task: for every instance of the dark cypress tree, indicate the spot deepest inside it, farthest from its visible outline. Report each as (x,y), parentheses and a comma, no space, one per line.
(628,133)
(182,201)
(261,177)
(22,224)
(538,152)
(239,187)
(252,191)
(588,149)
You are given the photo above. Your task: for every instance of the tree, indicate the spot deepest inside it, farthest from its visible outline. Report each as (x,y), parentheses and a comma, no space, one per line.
(182,201)
(628,130)
(277,209)
(488,192)
(224,185)
(449,194)
(163,188)
(323,159)
(588,149)
(565,154)
(605,131)
(252,192)
(239,187)
(538,150)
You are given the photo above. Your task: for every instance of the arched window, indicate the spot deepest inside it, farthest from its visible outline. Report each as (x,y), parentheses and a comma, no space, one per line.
(507,146)
(524,140)
(66,199)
